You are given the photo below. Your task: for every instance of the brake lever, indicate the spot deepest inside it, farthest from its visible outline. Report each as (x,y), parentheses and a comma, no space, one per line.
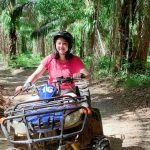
(61,79)
(24,89)
(67,79)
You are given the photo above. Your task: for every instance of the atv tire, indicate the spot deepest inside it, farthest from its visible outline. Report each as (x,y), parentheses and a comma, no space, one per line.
(100,143)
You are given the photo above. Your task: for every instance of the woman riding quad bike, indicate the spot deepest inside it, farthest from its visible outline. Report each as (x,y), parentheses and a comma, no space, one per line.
(60,63)
(55,122)
(60,121)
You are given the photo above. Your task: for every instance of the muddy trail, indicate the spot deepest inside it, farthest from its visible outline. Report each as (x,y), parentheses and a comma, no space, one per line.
(125,113)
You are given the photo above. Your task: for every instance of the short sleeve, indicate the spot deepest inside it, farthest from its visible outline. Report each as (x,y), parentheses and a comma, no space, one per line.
(77,64)
(46,61)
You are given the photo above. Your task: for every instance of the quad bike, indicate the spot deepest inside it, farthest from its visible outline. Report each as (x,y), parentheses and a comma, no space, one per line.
(55,121)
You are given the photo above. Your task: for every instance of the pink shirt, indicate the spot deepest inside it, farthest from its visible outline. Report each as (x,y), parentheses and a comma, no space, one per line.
(58,68)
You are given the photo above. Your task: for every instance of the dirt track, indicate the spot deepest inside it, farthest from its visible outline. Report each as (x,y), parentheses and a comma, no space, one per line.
(125,113)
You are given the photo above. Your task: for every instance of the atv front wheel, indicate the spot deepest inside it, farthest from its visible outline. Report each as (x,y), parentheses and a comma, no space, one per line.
(100,143)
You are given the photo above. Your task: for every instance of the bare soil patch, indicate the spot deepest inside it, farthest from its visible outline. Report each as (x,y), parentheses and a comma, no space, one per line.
(125,114)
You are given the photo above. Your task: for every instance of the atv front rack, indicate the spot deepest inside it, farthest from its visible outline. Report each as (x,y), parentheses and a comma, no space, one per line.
(39,116)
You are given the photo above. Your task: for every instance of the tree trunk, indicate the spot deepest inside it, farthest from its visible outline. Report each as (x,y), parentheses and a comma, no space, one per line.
(23,44)
(144,37)
(82,44)
(95,20)
(115,52)
(132,50)
(92,51)
(124,30)
(42,46)
(39,46)
(35,46)
(140,43)
(13,40)
(100,45)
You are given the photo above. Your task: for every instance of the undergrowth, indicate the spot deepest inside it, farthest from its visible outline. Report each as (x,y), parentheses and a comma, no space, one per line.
(101,70)
(25,61)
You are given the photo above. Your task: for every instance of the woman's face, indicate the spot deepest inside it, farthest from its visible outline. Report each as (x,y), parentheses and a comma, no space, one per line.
(61,46)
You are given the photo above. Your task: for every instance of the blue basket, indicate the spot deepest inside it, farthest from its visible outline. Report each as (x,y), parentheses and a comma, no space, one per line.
(47,91)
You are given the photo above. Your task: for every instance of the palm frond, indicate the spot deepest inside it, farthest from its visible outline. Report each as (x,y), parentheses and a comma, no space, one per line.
(46,27)
(17,12)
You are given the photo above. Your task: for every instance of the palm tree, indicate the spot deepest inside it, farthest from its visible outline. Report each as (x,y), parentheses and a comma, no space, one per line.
(14,10)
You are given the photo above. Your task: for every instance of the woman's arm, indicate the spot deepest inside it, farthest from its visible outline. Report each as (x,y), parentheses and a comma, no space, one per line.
(86,73)
(38,72)
(82,71)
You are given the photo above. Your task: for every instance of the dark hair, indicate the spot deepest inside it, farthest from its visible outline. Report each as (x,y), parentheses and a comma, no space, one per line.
(69,38)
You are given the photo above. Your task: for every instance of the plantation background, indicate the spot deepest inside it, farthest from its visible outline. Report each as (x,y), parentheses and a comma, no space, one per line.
(112,37)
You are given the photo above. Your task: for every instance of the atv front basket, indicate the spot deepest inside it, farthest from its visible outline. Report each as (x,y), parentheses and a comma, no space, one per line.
(38,117)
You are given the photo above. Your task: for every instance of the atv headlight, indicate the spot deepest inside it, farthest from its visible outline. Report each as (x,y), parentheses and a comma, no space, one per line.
(19,128)
(72,118)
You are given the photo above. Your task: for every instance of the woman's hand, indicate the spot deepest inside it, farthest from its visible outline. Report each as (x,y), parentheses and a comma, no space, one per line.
(18,89)
(82,74)
(77,75)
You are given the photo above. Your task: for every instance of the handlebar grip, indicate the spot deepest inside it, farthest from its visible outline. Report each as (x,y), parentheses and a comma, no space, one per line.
(83,76)
(68,79)
(26,86)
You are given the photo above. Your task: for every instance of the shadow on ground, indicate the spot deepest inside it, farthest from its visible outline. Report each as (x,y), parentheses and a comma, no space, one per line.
(10,79)
(124,112)
(116,144)
(120,102)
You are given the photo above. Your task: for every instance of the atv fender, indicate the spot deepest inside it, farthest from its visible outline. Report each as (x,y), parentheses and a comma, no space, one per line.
(92,128)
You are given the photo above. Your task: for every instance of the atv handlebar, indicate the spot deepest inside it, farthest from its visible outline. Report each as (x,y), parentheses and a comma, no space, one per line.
(59,80)
(68,79)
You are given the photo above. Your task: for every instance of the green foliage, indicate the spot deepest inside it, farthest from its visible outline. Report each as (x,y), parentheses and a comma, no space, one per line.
(147,66)
(50,8)
(87,60)
(148,59)
(6,20)
(101,66)
(64,15)
(25,61)
(137,80)
(122,77)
